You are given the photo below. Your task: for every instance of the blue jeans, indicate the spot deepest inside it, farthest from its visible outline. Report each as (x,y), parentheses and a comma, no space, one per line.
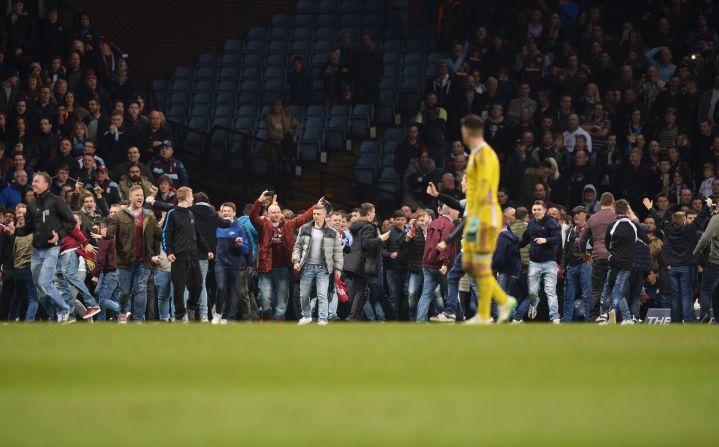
(43,265)
(415,290)
(548,272)
(202,306)
(163,285)
(23,284)
(108,291)
(578,278)
(226,281)
(274,287)
(708,293)
(395,286)
(432,279)
(617,281)
(681,278)
(133,282)
(331,297)
(318,274)
(66,276)
(451,305)
(507,282)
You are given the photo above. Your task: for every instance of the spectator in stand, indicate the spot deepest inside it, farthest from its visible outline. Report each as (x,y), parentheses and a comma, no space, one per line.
(276,242)
(407,150)
(19,164)
(152,137)
(110,190)
(167,164)
(132,178)
(708,109)
(92,90)
(12,194)
(573,130)
(367,70)
(442,85)
(580,175)
(299,83)
(432,122)
(10,92)
(420,173)
(282,131)
(336,76)
(114,140)
(664,65)
(520,102)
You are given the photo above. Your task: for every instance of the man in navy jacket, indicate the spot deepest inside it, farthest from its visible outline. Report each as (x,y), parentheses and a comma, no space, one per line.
(233,256)
(543,236)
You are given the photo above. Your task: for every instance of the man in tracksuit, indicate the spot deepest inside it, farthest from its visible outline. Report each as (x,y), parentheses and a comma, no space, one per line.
(233,256)
(543,236)
(577,271)
(49,220)
(317,256)
(183,243)
(620,241)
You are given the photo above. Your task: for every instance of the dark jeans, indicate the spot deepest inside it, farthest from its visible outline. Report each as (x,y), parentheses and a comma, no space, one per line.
(395,283)
(24,288)
(599,277)
(680,278)
(636,284)
(710,288)
(186,273)
(360,297)
(578,278)
(225,277)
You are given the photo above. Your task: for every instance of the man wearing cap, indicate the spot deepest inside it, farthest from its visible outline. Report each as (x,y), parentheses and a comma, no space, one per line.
(91,90)
(167,164)
(110,189)
(577,267)
(10,90)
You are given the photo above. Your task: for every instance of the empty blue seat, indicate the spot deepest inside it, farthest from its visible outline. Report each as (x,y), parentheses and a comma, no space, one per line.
(363,110)
(313,128)
(309,152)
(233,46)
(394,134)
(372,20)
(392,58)
(372,7)
(204,74)
(257,32)
(245,123)
(251,60)
(251,73)
(431,72)
(201,98)
(317,111)
(364,174)
(417,45)
(305,6)
(279,33)
(348,20)
(254,46)
(183,73)
(394,46)
(249,97)
(228,74)
(389,147)
(222,110)
(384,114)
(203,86)
(388,83)
(229,60)
(411,71)
(335,140)
(226,86)
(273,85)
(435,58)
(250,85)
(277,47)
(207,60)
(369,147)
(413,59)
(388,97)
(327,6)
(276,60)
(246,110)
(351,6)
(340,110)
(281,20)
(324,33)
(225,98)
(410,84)
(275,73)
(300,48)
(302,34)
(178,97)
(302,20)
(322,46)
(387,160)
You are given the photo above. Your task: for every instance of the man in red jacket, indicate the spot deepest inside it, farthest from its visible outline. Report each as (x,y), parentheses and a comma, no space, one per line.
(274,253)
(435,263)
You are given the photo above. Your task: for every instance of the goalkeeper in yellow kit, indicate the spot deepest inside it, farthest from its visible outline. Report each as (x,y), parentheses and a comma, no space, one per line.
(483,222)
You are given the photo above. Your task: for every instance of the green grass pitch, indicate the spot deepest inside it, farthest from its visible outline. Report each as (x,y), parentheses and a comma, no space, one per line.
(358,385)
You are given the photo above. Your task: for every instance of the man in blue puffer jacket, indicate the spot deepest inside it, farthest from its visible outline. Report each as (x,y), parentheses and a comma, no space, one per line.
(234,255)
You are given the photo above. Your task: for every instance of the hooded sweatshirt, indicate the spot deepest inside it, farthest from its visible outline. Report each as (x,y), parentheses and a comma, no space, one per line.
(208,221)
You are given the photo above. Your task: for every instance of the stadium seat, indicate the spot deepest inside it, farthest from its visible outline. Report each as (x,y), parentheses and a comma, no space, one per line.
(384,114)
(229,60)
(325,33)
(249,97)
(281,20)
(226,86)
(309,152)
(275,73)
(228,74)
(393,46)
(250,73)
(369,147)
(335,139)
(276,60)
(351,6)
(233,46)
(394,134)
(305,6)
(257,32)
(251,60)
(225,98)
(317,111)
(327,6)
(254,47)
(312,130)
(245,123)
(277,47)
(249,85)
(279,34)
(183,73)
(203,86)
(302,20)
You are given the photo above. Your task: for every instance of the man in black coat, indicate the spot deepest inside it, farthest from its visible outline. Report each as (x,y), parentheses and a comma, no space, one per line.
(362,263)
(620,241)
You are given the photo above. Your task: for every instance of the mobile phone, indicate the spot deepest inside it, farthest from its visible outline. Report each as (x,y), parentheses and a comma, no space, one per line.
(270,194)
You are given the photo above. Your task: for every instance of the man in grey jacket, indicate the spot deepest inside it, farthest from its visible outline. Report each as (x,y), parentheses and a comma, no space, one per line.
(710,277)
(317,252)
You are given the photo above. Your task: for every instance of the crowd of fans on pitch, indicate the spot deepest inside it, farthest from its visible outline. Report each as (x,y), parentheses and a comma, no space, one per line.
(583,110)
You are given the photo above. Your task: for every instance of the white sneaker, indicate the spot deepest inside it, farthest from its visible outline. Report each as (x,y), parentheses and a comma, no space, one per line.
(223,322)
(517,322)
(532,313)
(216,318)
(204,319)
(322,323)
(603,318)
(304,321)
(556,321)
(626,323)
(443,318)
(476,321)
